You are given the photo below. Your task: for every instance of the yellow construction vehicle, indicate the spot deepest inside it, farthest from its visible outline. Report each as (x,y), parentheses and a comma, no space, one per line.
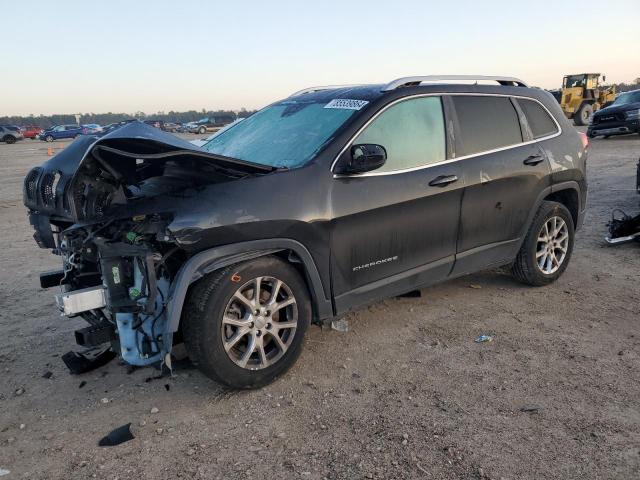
(582,95)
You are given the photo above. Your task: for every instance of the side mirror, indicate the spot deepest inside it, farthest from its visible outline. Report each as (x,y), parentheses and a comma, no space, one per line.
(361,158)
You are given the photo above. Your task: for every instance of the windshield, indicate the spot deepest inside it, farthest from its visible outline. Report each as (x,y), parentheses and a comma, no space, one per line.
(628,97)
(286,134)
(574,81)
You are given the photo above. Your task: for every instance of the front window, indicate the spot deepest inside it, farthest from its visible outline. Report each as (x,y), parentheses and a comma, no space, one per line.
(412,133)
(286,134)
(628,97)
(575,81)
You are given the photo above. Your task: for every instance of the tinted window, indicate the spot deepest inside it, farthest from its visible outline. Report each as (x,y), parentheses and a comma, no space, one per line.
(540,122)
(486,123)
(411,131)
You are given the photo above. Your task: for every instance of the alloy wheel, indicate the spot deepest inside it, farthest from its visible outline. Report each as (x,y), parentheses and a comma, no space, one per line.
(552,245)
(259,323)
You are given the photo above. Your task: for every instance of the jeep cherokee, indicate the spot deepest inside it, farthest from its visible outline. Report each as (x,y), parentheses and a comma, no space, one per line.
(317,204)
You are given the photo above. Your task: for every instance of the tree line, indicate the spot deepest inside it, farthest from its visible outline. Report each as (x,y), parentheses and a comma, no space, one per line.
(45,121)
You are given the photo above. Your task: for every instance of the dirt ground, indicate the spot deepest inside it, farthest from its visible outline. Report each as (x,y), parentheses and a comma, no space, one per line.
(406,393)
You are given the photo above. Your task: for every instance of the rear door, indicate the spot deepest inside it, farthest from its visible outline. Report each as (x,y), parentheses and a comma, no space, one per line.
(504,171)
(395,228)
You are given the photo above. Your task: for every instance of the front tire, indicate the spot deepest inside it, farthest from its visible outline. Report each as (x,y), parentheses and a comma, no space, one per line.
(202,130)
(9,139)
(48,138)
(240,338)
(546,250)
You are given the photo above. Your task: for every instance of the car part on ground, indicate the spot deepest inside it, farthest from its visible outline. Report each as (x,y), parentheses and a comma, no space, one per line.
(312,207)
(623,228)
(117,436)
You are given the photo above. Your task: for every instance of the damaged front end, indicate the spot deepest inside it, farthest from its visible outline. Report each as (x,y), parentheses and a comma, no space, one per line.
(104,205)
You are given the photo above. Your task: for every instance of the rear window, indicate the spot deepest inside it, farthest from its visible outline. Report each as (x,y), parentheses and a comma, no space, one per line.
(486,123)
(539,120)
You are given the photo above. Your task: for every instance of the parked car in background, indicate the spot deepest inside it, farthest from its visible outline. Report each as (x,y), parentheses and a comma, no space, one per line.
(113,126)
(90,128)
(10,134)
(318,204)
(186,127)
(170,127)
(155,123)
(210,124)
(60,132)
(31,131)
(619,118)
(203,141)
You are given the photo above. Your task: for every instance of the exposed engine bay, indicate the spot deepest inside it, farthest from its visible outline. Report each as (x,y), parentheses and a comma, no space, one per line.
(103,205)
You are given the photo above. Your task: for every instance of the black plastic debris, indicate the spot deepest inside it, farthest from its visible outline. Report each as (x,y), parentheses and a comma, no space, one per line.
(531,408)
(91,359)
(151,379)
(116,437)
(167,387)
(82,384)
(47,374)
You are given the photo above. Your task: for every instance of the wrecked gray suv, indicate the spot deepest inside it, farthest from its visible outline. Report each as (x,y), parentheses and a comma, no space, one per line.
(317,204)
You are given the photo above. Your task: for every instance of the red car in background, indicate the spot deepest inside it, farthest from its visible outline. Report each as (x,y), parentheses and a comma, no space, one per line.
(31,131)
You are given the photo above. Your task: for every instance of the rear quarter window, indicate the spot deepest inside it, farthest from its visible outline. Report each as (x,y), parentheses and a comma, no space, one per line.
(539,120)
(486,123)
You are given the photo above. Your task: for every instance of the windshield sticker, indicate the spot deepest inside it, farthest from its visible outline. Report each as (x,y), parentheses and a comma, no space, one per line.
(346,104)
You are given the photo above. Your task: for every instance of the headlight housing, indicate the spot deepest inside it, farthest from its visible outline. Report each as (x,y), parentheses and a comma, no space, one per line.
(632,114)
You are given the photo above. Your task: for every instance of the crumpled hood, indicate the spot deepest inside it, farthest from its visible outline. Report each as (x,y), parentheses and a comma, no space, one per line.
(52,188)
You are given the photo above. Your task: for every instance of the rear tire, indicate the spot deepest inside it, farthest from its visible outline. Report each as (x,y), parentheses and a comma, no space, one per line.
(583,115)
(202,130)
(536,261)
(221,324)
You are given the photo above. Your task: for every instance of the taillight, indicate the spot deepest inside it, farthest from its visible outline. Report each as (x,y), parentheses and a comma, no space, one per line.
(585,140)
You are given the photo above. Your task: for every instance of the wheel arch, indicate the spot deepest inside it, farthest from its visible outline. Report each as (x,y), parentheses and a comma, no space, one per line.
(569,197)
(561,192)
(216,258)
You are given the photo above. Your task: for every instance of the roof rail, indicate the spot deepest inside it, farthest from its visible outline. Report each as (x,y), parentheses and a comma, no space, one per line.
(318,89)
(414,81)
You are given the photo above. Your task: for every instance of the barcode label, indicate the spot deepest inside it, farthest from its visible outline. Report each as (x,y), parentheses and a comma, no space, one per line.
(347,104)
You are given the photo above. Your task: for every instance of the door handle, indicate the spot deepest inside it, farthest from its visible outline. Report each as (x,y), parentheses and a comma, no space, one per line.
(443,180)
(533,160)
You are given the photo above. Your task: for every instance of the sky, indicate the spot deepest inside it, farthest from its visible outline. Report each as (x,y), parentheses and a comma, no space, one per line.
(128,56)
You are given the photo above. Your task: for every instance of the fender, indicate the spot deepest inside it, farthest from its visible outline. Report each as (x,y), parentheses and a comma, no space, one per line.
(571,184)
(215,258)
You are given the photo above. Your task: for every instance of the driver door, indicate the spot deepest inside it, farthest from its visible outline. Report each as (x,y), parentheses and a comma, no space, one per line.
(395,228)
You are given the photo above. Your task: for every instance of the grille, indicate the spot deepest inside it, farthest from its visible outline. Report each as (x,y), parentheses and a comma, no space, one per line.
(47,192)
(31,185)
